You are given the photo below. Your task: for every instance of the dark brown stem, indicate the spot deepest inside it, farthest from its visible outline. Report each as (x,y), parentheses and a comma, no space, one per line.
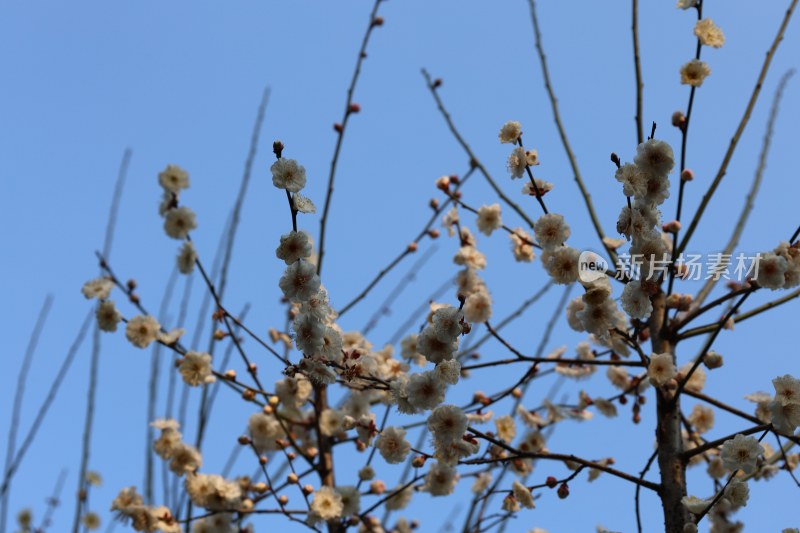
(740,129)
(637,64)
(672,467)
(362,54)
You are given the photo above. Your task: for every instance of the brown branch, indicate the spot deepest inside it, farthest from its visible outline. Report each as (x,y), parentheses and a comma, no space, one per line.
(740,129)
(563,135)
(722,490)
(16,410)
(743,316)
(237,206)
(639,487)
(507,320)
(751,195)
(707,346)
(407,250)
(710,445)
(95,358)
(473,159)
(555,457)
(637,65)
(374,22)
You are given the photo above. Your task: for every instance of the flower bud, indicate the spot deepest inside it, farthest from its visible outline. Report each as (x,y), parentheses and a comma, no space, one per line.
(679,119)
(712,360)
(277,148)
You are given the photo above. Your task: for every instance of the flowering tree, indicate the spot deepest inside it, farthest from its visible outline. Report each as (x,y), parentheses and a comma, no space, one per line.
(331,417)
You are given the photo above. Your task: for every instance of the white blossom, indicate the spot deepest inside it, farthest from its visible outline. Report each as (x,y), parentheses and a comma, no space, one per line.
(709,33)
(195,368)
(99,288)
(300,282)
(425,390)
(287,174)
(141,330)
(741,453)
(695,72)
(489,219)
(771,271)
(510,132)
(441,480)
(187,256)
(327,504)
(523,495)
(521,245)
(661,369)
(447,423)
(108,317)
(392,445)
(173,179)
(179,222)
(551,231)
(635,301)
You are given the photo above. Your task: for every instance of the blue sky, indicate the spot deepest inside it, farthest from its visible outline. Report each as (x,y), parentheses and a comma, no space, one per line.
(180,82)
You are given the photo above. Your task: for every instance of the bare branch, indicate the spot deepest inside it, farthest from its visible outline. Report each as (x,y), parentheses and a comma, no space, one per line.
(740,129)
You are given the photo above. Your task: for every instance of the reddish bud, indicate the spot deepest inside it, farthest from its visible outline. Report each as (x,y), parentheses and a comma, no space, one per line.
(277,148)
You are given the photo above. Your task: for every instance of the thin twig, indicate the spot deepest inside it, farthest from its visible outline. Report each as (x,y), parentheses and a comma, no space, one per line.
(48,401)
(422,233)
(637,65)
(751,195)
(721,492)
(563,135)
(152,392)
(414,316)
(740,129)
(639,487)
(707,346)
(710,445)
(555,457)
(743,316)
(472,158)
(16,410)
(348,110)
(682,185)
(95,359)
(237,207)
(385,308)
(53,501)
(510,318)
